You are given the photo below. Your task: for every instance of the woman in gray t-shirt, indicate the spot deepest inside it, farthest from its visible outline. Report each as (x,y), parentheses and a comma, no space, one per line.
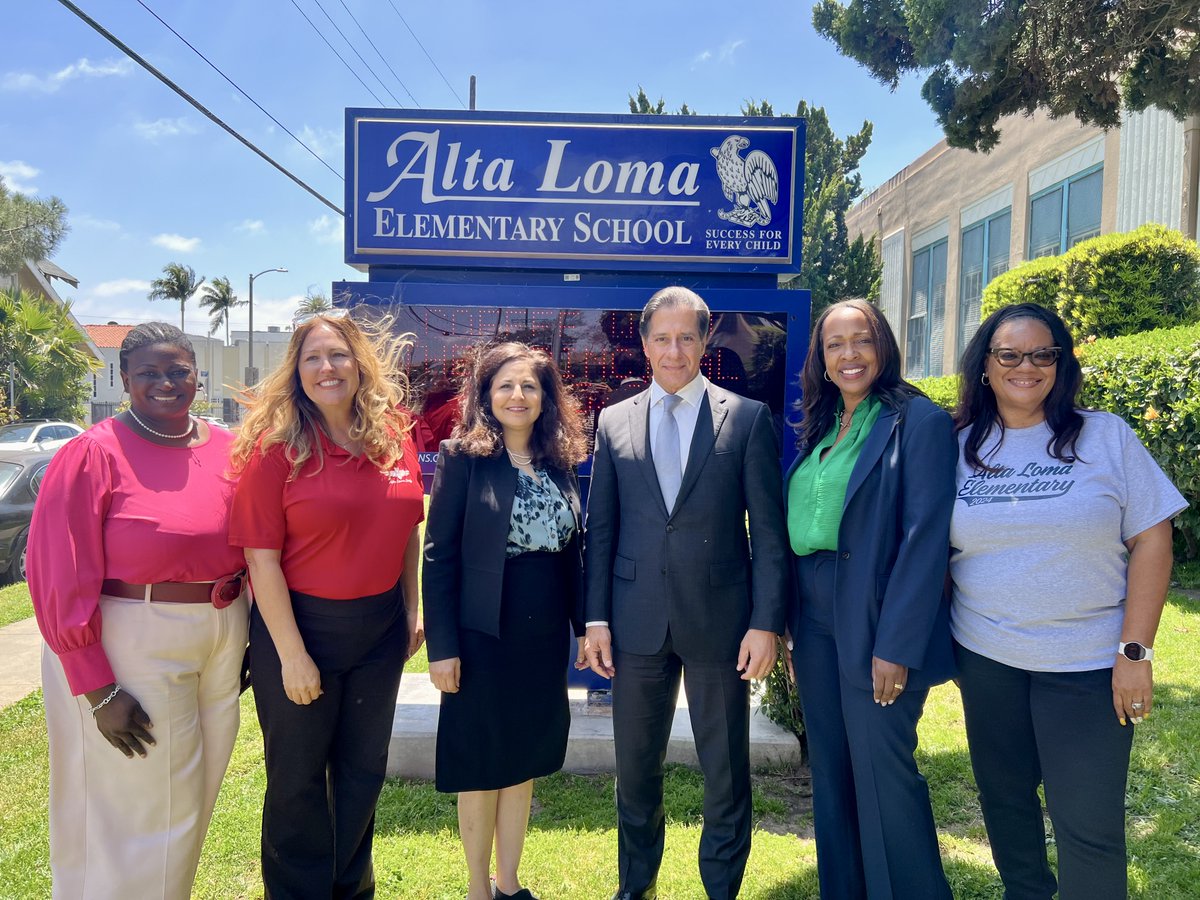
(1061,558)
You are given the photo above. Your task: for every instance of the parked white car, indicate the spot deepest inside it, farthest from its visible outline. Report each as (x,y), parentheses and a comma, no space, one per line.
(37,434)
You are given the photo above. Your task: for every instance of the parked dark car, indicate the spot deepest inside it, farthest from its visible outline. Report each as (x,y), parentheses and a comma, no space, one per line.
(21,474)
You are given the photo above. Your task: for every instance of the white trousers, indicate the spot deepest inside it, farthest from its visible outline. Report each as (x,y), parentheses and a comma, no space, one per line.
(133,828)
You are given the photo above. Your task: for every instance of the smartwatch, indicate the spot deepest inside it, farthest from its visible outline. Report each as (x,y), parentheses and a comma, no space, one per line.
(1134,651)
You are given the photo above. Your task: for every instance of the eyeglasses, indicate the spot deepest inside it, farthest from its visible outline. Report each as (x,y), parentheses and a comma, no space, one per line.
(336,312)
(1042,357)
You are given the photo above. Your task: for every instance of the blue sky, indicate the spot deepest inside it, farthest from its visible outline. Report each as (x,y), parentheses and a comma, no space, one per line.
(148,180)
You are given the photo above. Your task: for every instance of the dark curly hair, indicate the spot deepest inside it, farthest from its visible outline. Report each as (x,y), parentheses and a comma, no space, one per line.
(558,439)
(818,406)
(149,334)
(977,409)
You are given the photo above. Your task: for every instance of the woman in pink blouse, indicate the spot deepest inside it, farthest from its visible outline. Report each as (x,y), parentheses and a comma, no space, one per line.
(138,596)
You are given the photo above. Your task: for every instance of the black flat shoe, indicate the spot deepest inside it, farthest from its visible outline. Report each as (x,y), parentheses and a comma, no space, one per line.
(522,894)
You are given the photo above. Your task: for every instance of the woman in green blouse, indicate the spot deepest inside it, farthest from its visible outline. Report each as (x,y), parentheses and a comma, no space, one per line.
(869,501)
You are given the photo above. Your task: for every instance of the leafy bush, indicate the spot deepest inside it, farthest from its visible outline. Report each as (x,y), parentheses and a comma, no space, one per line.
(941,389)
(1109,286)
(1152,381)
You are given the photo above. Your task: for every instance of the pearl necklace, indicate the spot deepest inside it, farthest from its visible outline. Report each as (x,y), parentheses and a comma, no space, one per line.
(170,437)
(518,458)
(843,422)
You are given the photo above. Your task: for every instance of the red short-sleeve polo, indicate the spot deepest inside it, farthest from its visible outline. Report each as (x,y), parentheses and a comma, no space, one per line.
(341,527)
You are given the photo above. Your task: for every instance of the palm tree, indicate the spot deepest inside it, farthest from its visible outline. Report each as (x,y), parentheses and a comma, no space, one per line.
(315,301)
(179,282)
(218,297)
(45,351)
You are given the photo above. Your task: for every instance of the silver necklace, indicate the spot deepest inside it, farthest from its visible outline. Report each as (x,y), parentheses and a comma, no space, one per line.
(846,423)
(518,458)
(170,437)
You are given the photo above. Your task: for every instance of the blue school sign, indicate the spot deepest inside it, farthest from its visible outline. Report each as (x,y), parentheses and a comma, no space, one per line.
(580,192)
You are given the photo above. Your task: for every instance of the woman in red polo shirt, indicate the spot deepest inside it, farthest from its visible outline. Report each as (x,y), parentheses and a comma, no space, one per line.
(327,508)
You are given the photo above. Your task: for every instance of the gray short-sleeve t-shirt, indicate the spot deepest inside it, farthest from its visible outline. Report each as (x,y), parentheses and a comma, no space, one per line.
(1037,549)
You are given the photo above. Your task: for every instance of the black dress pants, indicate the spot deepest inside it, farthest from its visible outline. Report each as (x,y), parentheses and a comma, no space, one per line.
(326,761)
(645,689)
(1057,729)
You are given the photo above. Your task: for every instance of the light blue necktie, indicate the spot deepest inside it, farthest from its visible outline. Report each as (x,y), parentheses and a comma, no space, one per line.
(666,452)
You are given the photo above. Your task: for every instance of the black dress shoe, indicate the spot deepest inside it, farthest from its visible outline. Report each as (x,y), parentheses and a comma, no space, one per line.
(650,893)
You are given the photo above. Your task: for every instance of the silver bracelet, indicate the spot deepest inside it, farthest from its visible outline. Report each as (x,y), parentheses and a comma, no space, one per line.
(103,703)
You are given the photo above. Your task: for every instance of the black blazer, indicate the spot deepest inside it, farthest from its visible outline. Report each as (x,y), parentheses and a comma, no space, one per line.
(689,569)
(470,506)
(893,548)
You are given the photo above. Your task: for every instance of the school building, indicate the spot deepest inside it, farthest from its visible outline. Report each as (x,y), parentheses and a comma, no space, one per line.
(952,220)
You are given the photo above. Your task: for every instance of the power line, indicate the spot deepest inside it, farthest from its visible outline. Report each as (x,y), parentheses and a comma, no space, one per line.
(312,152)
(334,51)
(395,99)
(377,53)
(132,54)
(427,56)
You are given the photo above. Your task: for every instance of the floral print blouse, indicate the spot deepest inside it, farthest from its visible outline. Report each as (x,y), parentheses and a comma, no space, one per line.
(541,517)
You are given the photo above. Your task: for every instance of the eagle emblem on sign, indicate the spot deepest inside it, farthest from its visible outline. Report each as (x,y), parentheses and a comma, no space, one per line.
(752,184)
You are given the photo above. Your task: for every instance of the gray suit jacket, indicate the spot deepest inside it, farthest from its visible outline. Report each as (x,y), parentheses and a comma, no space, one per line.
(694,569)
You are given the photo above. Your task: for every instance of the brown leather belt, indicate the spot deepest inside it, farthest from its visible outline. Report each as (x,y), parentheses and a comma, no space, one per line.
(162,592)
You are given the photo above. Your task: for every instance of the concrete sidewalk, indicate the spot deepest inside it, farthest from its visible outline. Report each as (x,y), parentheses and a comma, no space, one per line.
(20,661)
(414,728)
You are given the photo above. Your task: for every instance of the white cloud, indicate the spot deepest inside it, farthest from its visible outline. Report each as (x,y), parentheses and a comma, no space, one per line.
(84,68)
(164,128)
(83,220)
(324,142)
(120,286)
(16,175)
(729,49)
(176,243)
(251,226)
(327,229)
(725,53)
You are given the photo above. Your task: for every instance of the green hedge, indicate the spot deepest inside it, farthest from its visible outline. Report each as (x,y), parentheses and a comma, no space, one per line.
(941,389)
(1152,381)
(1109,286)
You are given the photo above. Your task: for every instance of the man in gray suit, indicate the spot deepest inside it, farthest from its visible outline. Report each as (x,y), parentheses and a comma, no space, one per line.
(672,587)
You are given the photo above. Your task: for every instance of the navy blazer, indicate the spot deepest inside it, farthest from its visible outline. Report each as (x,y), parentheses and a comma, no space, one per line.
(893,548)
(470,507)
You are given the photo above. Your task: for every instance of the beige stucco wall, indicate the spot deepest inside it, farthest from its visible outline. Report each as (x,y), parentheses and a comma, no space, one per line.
(939,184)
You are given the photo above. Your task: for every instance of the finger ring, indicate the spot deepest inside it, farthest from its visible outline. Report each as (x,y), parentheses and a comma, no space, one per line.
(1138,705)
(899,687)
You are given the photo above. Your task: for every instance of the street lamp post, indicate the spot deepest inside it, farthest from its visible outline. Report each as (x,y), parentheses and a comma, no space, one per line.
(251,374)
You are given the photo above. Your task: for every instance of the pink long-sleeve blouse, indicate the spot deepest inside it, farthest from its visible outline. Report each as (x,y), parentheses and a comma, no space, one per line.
(115,505)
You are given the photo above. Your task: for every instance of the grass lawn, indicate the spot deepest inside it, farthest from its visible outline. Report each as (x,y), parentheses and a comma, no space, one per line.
(14,603)
(572,844)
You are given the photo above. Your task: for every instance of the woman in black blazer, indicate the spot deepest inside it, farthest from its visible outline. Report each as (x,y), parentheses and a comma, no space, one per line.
(868,504)
(502,579)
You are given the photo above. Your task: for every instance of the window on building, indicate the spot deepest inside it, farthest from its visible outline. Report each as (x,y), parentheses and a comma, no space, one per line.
(111,375)
(95,382)
(1065,214)
(925,331)
(983,255)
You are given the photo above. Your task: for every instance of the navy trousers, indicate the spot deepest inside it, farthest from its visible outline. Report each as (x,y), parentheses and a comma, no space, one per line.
(875,833)
(1057,729)
(326,761)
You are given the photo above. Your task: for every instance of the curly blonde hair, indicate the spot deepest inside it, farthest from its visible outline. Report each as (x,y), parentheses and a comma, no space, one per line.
(279,412)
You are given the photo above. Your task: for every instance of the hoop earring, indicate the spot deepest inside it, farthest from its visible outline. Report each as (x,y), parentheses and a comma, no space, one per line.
(827,378)
(984,380)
